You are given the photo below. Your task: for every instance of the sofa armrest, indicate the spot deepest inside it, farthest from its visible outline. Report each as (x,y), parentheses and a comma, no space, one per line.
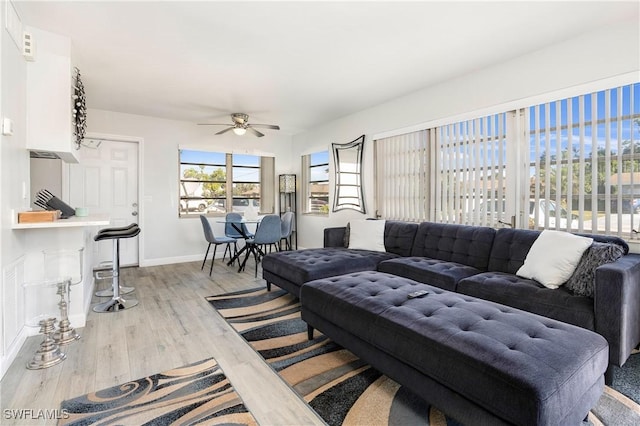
(617,306)
(334,237)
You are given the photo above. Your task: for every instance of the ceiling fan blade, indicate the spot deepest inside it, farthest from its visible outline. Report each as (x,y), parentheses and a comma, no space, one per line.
(267,126)
(254,131)
(213,124)
(225,130)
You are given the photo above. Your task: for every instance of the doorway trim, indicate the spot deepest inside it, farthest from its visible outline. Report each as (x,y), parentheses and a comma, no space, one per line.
(139,141)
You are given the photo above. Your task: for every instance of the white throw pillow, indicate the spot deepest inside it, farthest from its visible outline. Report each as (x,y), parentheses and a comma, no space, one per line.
(553,257)
(366,235)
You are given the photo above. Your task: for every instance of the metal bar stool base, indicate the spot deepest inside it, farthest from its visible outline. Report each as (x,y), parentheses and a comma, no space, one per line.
(115,305)
(109,292)
(49,353)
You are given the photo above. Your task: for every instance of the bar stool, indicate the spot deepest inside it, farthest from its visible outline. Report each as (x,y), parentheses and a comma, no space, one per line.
(99,275)
(117,303)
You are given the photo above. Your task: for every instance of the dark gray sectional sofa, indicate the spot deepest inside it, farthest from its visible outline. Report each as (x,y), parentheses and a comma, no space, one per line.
(480,362)
(479,262)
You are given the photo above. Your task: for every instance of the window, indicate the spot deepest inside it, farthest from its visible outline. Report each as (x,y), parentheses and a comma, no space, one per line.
(584,164)
(316,182)
(572,164)
(402,177)
(217,183)
(470,171)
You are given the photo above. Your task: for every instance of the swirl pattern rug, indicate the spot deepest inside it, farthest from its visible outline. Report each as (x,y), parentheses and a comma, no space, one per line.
(197,394)
(344,390)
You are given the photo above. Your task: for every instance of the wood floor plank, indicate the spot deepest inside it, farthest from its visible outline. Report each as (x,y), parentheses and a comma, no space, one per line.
(172,326)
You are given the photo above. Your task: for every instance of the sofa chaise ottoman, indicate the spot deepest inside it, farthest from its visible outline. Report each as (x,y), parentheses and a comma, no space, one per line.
(478,361)
(290,269)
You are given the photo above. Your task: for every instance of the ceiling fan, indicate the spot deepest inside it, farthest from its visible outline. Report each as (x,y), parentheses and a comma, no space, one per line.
(241,125)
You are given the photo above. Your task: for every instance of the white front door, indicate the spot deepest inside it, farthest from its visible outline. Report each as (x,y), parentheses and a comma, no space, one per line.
(106,182)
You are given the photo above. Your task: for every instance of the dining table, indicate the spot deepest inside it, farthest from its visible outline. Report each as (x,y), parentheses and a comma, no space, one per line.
(237,225)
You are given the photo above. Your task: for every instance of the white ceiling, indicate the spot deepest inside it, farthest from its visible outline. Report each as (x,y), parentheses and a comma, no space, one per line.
(296,64)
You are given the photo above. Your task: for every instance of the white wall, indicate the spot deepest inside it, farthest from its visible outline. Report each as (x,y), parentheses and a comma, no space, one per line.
(14,170)
(45,174)
(165,237)
(556,70)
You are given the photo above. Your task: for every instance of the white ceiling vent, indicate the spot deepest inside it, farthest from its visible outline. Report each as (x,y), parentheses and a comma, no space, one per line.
(28,46)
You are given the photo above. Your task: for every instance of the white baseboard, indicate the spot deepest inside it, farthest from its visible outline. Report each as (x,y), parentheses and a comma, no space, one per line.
(171,260)
(12,351)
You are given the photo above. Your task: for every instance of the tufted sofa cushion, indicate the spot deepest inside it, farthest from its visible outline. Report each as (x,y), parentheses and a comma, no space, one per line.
(468,245)
(524,368)
(300,266)
(439,273)
(511,246)
(399,236)
(531,296)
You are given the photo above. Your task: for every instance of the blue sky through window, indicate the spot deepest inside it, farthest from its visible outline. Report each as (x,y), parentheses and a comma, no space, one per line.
(619,130)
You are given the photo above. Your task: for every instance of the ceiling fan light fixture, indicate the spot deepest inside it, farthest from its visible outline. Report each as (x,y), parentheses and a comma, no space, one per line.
(239,131)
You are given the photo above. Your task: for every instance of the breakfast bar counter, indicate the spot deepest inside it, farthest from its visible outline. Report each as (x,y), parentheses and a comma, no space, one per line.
(63,238)
(73,221)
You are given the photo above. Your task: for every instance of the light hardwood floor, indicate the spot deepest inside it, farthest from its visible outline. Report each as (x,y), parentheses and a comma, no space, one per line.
(172,326)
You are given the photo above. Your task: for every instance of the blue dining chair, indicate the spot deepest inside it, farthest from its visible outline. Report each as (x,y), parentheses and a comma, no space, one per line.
(268,233)
(232,232)
(286,229)
(211,239)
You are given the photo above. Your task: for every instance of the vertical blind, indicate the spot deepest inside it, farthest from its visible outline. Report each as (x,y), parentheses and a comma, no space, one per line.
(470,171)
(584,168)
(402,176)
(583,156)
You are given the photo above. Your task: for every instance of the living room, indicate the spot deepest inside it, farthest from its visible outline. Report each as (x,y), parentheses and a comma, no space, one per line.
(568,57)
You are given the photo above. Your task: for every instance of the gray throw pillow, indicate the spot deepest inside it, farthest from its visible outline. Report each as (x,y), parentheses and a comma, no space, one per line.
(583,280)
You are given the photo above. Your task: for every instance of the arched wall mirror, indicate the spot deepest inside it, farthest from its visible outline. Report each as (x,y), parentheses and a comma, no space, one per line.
(348,186)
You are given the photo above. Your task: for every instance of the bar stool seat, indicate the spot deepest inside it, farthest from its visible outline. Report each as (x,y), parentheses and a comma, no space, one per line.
(99,275)
(119,228)
(117,302)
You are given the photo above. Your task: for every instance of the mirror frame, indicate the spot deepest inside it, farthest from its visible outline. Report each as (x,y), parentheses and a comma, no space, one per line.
(355,147)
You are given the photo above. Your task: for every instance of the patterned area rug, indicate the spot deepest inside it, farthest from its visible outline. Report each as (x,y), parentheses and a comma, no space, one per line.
(343,389)
(197,394)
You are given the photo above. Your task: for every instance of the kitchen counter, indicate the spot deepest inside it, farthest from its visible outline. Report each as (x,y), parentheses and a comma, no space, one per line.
(73,221)
(61,236)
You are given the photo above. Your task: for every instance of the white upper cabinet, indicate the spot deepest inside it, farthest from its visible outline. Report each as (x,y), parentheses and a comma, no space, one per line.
(49,96)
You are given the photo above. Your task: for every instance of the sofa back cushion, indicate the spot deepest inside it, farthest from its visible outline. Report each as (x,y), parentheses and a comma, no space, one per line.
(468,245)
(399,236)
(511,246)
(510,249)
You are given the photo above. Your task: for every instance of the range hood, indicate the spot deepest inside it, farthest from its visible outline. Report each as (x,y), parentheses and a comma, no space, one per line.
(65,156)
(44,154)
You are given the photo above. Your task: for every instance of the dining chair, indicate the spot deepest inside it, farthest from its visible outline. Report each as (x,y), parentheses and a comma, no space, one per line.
(232,232)
(267,234)
(286,228)
(211,239)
